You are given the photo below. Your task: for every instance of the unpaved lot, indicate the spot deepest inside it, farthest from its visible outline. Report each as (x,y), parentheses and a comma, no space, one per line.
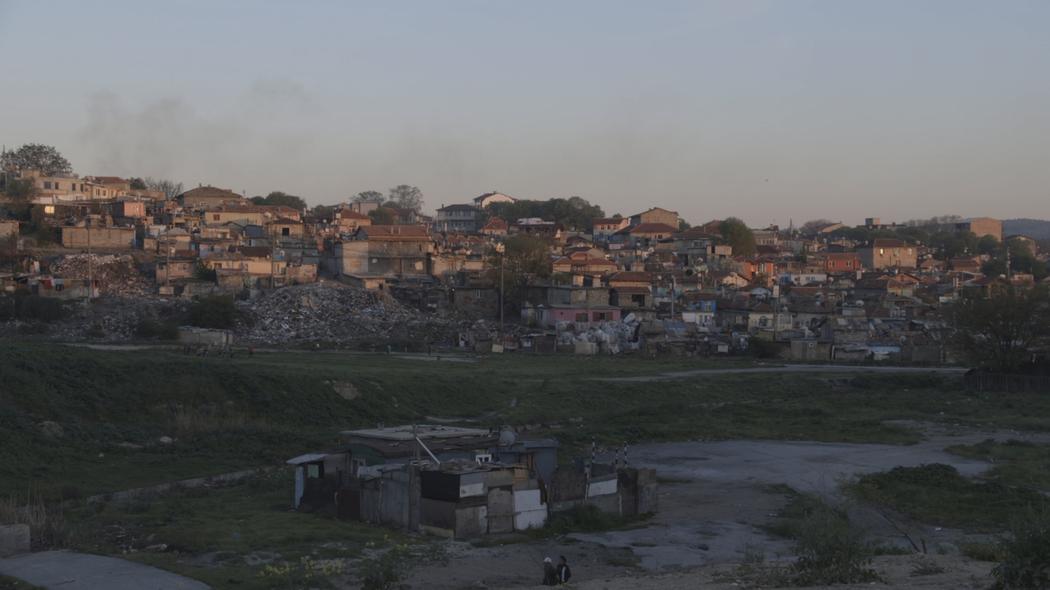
(715,500)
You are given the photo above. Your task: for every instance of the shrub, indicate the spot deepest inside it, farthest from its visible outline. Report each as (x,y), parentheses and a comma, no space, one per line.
(1025,553)
(213,311)
(150,328)
(385,571)
(831,550)
(28,307)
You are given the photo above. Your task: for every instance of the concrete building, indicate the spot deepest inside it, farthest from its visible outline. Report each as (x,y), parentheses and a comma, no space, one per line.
(982,226)
(656,215)
(457,219)
(603,228)
(209,197)
(386,251)
(98,237)
(885,253)
(482,201)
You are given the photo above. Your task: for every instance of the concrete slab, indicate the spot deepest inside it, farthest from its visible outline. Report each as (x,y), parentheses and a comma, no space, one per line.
(80,571)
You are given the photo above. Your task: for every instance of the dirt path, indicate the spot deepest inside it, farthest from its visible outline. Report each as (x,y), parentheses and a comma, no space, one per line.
(669,375)
(66,570)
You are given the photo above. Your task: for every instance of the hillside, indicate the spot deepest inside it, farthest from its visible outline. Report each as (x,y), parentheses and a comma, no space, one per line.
(1035,228)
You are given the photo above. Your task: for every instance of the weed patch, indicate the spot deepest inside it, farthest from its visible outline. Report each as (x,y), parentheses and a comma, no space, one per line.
(938,494)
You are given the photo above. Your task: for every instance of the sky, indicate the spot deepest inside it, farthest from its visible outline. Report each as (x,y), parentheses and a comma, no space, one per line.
(773,111)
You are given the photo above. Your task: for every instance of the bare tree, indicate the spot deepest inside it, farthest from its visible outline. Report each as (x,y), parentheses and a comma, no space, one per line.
(407,197)
(369,197)
(170,188)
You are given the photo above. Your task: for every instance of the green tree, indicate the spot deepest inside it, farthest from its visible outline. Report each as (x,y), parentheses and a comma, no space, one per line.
(20,194)
(279,199)
(213,311)
(34,156)
(524,259)
(736,233)
(572,213)
(382,216)
(986,244)
(407,197)
(999,330)
(137,184)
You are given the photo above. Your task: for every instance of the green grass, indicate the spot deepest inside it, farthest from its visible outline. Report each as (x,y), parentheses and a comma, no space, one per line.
(211,534)
(9,583)
(231,414)
(937,494)
(1014,462)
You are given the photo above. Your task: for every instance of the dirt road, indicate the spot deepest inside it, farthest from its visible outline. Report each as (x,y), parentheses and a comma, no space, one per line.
(78,571)
(669,375)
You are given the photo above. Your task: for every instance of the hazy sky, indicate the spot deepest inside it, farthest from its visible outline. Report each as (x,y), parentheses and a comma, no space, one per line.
(766,110)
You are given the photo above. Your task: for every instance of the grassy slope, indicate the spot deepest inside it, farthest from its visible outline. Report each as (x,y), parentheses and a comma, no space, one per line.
(231,414)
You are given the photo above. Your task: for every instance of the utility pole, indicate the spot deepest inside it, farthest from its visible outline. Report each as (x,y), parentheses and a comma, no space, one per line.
(501,249)
(91,270)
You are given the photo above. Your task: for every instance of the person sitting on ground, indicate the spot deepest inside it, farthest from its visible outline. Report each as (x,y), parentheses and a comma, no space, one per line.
(564,573)
(550,575)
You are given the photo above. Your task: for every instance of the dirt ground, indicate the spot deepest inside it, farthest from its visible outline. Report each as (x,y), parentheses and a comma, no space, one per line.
(714,500)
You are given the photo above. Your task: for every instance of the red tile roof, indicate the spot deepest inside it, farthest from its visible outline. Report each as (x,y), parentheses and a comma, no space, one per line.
(652,228)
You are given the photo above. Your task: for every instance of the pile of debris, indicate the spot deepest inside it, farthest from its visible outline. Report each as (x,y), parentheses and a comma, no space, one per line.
(611,337)
(334,313)
(115,274)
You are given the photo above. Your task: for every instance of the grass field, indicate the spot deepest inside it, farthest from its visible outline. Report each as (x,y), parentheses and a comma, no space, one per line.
(227,536)
(76,421)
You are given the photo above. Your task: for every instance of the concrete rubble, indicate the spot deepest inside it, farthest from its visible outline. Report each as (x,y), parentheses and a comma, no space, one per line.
(114,274)
(334,313)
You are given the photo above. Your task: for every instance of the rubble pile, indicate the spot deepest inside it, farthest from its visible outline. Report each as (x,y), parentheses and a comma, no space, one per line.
(339,314)
(611,337)
(114,274)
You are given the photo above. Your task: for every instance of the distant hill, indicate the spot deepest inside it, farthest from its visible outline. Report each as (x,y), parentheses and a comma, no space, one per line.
(1035,228)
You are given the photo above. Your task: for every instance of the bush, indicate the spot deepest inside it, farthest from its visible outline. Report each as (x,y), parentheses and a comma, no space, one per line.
(150,328)
(1025,552)
(831,550)
(213,311)
(385,571)
(28,307)
(581,519)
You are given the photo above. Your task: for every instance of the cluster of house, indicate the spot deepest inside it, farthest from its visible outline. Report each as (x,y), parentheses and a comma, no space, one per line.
(461,482)
(819,296)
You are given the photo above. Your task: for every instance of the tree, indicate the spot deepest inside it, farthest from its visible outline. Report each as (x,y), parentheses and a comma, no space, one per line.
(281,199)
(987,244)
(382,216)
(407,197)
(573,213)
(736,233)
(999,330)
(137,184)
(34,156)
(524,258)
(20,195)
(170,188)
(369,197)
(321,213)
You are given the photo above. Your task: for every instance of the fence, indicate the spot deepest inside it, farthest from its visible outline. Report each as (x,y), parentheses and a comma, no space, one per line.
(1008,383)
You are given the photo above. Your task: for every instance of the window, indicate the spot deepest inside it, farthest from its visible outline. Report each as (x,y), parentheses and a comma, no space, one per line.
(286,231)
(47,184)
(315,470)
(882,251)
(215,217)
(581,317)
